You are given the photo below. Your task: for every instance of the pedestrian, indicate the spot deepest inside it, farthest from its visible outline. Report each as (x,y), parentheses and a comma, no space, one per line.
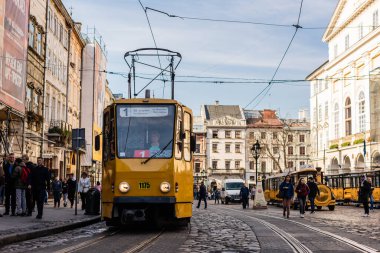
(244,195)
(286,193)
(71,187)
(39,182)
(83,187)
(195,192)
(371,200)
(57,191)
(98,186)
(253,192)
(364,193)
(202,195)
(2,185)
(314,191)
(20,176)
(10,190)
(217,195)
(302,191)
(64,192)
(28,192)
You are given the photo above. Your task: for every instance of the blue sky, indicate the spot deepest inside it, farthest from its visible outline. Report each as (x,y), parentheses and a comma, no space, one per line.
(216,49)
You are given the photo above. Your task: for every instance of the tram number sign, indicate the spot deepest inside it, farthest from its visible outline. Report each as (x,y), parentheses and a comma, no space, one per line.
(144,185)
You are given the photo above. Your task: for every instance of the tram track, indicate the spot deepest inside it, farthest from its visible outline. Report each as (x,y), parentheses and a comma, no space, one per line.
(295,243)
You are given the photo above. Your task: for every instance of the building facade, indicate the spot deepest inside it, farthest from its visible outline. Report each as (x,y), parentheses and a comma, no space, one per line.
(345,90)
(200,158)
(225,141)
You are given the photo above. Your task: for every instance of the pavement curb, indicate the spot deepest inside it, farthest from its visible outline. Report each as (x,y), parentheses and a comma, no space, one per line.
(24,236)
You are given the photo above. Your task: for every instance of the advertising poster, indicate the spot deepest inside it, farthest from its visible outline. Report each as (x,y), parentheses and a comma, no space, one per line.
(14,16)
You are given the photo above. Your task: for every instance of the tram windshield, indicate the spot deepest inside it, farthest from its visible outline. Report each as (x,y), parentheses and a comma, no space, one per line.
(145,131)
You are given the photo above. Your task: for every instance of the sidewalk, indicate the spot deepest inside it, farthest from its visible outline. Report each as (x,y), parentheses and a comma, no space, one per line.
(55,220)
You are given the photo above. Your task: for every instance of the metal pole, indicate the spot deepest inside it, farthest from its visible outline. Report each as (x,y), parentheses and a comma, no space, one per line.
(134,76)
(172,76)
(129,86)
(76,176)
(256,158)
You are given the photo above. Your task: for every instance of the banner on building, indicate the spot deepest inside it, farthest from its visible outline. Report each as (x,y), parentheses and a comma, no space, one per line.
(14,17)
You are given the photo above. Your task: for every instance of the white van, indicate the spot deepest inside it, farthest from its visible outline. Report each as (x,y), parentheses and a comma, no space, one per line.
(231,190)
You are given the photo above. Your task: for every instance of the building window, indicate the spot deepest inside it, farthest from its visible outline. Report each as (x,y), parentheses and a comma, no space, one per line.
(290,164)
(275,150)
(274,135)
(39,43)
(263,166)
(55,25)
(375,19)
(228,165)
(251,135)
(319,112)
(346,42)
(237,148)
(237,135)
(336,121)
(215,134)
(335,50)
(315,87)
(348,120)
(360,30)
(326,83)
(215,148)
(214,165)
(290,138)
(228,134)
(228,148)
(31,34)
(53,104)
(251,165)
(47,107)
(302,150)
(197,148)
(361,112)
(290,150)
(302,138)
(263,135)
(28,99)
(326,110)
(302,163)
(36,101)
(237,164)
(197,167)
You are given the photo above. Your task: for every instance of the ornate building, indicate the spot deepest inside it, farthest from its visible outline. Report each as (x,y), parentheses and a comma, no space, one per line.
(200,158)
(225,141)
(345,91)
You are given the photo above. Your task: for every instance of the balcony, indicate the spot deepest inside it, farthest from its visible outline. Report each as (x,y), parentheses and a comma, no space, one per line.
(60,132)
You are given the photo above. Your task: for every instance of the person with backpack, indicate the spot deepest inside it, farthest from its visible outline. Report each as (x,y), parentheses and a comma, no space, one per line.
(28,192)
(20,176)
(302,191)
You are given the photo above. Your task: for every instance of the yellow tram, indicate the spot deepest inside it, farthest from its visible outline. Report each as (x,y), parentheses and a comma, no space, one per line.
(147,150)
(345,186)
(272,185)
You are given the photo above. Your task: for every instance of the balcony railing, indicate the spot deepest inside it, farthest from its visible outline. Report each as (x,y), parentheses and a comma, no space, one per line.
(60,132)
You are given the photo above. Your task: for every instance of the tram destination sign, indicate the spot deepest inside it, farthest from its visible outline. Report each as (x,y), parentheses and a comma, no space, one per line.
(142,112)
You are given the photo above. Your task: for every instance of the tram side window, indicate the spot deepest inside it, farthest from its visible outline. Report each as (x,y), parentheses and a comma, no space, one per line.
(178,137)
(347,182)
(186,141)
(106,146)
(111,135)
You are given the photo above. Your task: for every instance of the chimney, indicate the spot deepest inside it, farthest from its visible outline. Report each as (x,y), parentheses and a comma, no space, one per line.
(78,25)
(216,102)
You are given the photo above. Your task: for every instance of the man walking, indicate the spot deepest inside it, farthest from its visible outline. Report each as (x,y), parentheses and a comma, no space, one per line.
(10,190)
(39,181)
(313,188)
(28,192)
(244,194)
(202,195)
(364,193)
(71,185)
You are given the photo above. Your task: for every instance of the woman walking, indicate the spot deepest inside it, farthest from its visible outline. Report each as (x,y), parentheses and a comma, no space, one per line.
(57,191)
(84,186)
(64,192)
(286,193)
(302,191)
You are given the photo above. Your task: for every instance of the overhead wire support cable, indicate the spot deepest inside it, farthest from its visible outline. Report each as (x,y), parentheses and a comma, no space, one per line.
(155,44)
(270,84)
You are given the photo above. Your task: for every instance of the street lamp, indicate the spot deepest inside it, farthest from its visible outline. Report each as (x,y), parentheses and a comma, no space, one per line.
(256,154)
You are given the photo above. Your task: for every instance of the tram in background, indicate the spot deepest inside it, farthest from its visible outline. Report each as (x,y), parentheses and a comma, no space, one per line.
(345,186)
(148,148)
(272,187)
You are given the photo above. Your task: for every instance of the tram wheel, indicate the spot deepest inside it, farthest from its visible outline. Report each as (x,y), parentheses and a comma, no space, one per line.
(331,208)
(319,207)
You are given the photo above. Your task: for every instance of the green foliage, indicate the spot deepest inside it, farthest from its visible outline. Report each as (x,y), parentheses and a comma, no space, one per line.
(358,141)
(334,146)
(346,144)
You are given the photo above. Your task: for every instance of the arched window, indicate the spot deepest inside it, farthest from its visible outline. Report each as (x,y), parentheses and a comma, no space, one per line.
(348,119)
(336,121)
(361,112)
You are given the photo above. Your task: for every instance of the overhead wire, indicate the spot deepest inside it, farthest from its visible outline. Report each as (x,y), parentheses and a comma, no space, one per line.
(270,84)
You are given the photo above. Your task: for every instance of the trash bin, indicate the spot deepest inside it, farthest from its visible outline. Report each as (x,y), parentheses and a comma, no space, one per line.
(92,202)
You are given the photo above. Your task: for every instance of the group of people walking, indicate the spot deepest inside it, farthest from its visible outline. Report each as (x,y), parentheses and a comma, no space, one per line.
(23,185)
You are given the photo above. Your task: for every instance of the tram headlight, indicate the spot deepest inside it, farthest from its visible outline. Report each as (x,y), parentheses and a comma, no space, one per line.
(165,187)
(124,187)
